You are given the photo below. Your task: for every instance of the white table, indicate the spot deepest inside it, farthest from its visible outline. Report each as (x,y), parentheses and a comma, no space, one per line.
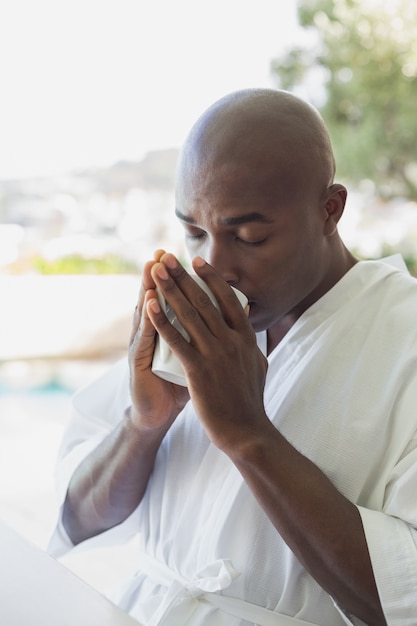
(36,590)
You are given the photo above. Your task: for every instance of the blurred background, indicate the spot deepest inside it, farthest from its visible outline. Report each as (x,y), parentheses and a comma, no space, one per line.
(96,99)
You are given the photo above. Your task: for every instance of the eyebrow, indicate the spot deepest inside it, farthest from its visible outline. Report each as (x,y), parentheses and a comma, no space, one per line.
(230,221)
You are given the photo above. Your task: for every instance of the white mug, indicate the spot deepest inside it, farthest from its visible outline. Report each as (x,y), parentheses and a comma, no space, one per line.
(165,364)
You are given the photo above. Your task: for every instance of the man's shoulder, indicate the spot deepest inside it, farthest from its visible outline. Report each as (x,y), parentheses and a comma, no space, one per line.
(392,298)
(388,280)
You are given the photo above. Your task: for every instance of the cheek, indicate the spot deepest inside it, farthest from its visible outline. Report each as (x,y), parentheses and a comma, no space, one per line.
(280,284)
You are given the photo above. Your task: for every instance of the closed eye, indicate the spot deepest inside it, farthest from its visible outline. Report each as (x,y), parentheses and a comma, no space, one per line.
(251,243)
(196,236)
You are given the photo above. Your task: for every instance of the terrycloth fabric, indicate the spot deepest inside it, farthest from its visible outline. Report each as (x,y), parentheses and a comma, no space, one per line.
(342,388)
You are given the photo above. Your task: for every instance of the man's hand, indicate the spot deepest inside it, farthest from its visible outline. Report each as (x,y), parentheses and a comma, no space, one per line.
(224,368)
(155,402)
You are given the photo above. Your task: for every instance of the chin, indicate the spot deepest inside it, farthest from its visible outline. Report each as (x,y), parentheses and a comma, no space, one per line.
(257,322)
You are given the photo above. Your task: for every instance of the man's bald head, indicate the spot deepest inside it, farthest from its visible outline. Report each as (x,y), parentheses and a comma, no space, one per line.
(274,132)
(256,197)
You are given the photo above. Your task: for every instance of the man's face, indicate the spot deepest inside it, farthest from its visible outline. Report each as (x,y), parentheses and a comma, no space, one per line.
(260,233)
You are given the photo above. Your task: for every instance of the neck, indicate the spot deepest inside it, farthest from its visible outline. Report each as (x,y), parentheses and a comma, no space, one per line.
(278,331)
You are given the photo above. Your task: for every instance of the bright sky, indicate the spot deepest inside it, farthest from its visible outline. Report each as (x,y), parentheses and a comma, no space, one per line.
(89,82)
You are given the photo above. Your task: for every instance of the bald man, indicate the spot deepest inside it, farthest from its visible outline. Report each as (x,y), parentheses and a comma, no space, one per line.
(278,486)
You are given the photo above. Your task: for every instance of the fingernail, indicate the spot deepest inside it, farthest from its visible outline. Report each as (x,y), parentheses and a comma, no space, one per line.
(198,261)
(154,304)
(170,261)
(158,253)
(162,273)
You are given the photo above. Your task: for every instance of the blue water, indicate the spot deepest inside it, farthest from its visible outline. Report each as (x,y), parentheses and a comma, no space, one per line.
(51,388)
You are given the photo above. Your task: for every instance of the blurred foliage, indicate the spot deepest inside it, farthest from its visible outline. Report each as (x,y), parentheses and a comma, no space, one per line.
(75,264)
(363,54)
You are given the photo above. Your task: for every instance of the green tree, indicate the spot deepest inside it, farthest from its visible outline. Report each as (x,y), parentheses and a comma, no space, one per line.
(361,61)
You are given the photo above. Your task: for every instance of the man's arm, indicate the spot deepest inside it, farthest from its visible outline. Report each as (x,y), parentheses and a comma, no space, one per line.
(109,484)
(322,527)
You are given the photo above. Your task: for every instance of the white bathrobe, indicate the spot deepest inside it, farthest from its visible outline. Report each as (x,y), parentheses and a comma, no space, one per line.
(342,388)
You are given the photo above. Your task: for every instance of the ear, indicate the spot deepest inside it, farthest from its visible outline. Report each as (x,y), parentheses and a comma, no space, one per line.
(334,204)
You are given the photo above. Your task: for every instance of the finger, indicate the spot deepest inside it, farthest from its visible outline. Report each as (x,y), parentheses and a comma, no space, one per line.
(225,297)
(147,280)
(192,306)
(229,308)
(158,254)
(146,283)
(147,328)
(233,311)
(165,329)
(143,331)
(137,314)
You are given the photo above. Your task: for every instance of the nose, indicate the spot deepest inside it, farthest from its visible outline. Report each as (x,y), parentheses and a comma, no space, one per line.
(220,256)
